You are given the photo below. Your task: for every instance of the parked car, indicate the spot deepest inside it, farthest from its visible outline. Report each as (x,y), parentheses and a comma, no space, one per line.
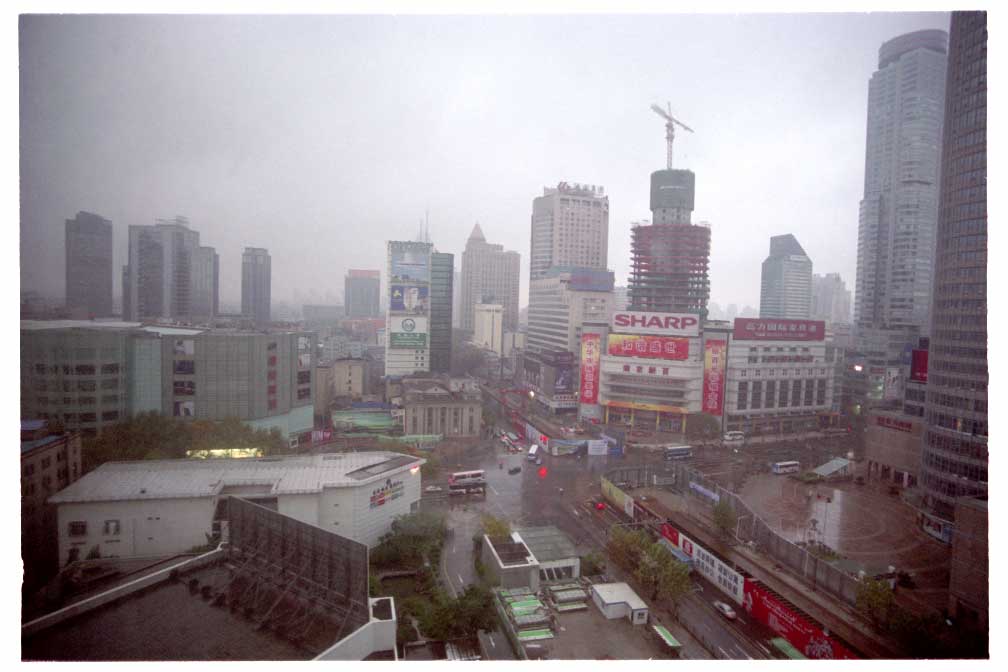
(725,610)
(433,488)
(514,470)
(859,480)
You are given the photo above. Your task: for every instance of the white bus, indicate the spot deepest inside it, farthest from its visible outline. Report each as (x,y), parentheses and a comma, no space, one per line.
(533,453)
(678,452)
(786,467)
(467,481)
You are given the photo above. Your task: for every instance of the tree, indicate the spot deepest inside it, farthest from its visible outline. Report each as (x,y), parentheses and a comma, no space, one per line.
(627,546)
(495,527)
(875,600)
(725,518)
(592,564)
(702,425)
(411,538)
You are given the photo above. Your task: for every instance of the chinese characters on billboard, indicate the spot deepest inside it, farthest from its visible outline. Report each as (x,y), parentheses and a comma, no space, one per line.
(653,347)
(919,366)
(714,371)
(752,329)
(589,368)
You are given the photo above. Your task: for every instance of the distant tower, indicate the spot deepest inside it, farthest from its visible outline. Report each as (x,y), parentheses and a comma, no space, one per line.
(489,274)
(256,284)
(786,283)
(169,275)
(89,265)
(570,228)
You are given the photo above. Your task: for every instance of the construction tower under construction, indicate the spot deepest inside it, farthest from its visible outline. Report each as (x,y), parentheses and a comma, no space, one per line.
(671,255)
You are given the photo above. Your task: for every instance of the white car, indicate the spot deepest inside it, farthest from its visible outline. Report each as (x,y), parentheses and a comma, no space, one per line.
(725,610)
(433,488)
(734,437)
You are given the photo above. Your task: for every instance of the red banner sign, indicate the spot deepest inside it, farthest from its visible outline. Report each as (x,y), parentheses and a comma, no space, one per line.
(892,423)
(590,353)
(804,634)
(648,347)
(751,329)
(919,366)
(713,380)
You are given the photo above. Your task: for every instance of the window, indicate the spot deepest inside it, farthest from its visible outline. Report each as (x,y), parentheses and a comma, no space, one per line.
(46,462)
(271,375)
(271,361)
(110,384)
(29,469)
(809,391)
(271,347)
(110,415)
(782,399)
(186,388)
(271,389)
(757,394)
(111,528)
(771,393)
(304,393)
(85,370)
(303,377)
(796,393)
(77,528)
(743,396)
(110,369)
(185,367)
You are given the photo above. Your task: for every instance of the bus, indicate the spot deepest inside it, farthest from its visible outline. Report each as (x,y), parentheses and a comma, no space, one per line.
(462,482)
(678,452)
(786,467)
(533,453)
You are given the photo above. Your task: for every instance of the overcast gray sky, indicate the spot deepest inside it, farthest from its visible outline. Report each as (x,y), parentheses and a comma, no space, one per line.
(322,137)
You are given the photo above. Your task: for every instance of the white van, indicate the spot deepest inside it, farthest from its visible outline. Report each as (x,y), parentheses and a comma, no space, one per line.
(533,453)
(734,437)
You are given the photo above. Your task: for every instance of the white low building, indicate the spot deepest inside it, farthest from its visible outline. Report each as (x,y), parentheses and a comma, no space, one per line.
(160,507)
(618,600)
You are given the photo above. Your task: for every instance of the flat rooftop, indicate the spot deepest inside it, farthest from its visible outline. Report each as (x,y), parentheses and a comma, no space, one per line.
(616,593)
(547,543)
(175,479)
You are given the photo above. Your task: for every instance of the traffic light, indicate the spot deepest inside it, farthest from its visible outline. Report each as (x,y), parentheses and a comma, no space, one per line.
(542,472)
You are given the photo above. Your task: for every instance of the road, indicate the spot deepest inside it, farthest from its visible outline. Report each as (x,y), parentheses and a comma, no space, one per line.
(555,493)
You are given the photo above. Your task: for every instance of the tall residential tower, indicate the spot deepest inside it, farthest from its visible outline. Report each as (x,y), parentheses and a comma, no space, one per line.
(570,228)
(489,275)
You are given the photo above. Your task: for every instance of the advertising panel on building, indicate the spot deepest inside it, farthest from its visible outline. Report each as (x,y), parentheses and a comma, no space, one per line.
(707,564)
(714,373)
(766,607)
(410,265)
(409,299)
(407,332)
(661,324)
(590,357)
(919,366)
(591,280)
(753,329)
(650,347)
(641,406)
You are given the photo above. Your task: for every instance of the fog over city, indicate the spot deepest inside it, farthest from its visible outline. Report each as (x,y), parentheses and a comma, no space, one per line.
(320,138)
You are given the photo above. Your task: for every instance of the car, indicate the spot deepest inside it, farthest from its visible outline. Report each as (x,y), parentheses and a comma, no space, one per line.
(514,470)
(538,461)
(600,506)
(433,488)
(734,437)
(725,610)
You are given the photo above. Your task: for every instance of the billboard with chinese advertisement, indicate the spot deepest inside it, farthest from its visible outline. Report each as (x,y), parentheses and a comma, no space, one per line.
(919,366)
(407,332)
(713,379)
(649,347)
(640,406)
(590,368)
(410,299)
(754,329)
(563,383)
(658,324)
(708,565)
(806,635)
(409,263)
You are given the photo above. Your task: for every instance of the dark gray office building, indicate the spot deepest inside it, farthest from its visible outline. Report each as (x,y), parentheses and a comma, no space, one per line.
(361,293)
(89,265)
(256,284)
(786,281)
(954,453)
(442,276)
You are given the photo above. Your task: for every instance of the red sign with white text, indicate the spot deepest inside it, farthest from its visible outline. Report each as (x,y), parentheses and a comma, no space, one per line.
(752,329)
(713,379)
(590,353)
(919,366)
(805,635)
(648,347)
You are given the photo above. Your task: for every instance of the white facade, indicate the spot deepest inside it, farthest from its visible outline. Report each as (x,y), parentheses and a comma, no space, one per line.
(570,227)
(618,600)
(160,507)
(557,311)
(488,327)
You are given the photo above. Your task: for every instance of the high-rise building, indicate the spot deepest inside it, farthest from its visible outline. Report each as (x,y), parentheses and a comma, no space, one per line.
(407,342)
(489,275)
(488,327)
(954,453)
(456,298)
(786,281)
(256,284)
(442,276)
(89,264)
(570,228)
(671,256)
(563,300)
(899,210)
(831,300)
(169,276)
(361,293)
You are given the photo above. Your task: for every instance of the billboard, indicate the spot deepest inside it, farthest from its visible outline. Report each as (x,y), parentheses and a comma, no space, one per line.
(659,324)
(650,347)
(713,379)
(615,496)
(919,366)
(640,406)
(598,447)
(802,632)
(590,368)
(591,280)
(412,299)
(754,329)
(563,383)
(409,263)
(892,387)
(708,565)
(407,332)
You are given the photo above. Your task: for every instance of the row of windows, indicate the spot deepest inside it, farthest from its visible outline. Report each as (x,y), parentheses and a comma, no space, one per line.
(951,467)
(966,384)
(759,373)
(946,366)
(80,385)
(959,351)
(957,446)
(78,370)
(966,178)
(962,425)
(79,401)
(960,402)
(780,398)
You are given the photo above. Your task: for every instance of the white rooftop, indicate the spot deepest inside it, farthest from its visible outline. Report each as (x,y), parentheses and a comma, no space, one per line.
(42,325)
(174,479)
(617,593)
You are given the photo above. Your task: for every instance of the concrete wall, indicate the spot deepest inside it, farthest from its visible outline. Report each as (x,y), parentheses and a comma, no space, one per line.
(376,635)
(888,445)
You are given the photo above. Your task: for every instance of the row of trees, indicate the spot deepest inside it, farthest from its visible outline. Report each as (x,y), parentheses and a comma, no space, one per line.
(443,617)
(651,564)
(152,436)
(414,539)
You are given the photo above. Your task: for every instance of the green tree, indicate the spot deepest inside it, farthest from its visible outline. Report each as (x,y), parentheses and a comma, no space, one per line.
(876,601)
(495,527)
(725,518)
(702,426)
(626,547)
(674,581)
(592,564)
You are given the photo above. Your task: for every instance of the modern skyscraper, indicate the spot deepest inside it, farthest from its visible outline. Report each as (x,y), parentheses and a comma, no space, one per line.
(169,276)
(670,255)
(361,293)
(954,453)
(256,284)
(442,276)
(831,300)
(407,341)
(786,281)
(899,210)
(89,264)
(570,228)
(489,275)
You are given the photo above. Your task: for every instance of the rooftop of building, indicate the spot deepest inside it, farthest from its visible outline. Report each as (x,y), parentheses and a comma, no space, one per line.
(509,550)
(547,543)
(28,446)
(176,479)
(617,593)
(154,328)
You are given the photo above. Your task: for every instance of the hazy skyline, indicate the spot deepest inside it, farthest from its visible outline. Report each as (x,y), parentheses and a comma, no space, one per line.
(319,138)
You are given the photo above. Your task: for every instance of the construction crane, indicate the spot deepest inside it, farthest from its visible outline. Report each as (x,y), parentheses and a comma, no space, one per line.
(670,123)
